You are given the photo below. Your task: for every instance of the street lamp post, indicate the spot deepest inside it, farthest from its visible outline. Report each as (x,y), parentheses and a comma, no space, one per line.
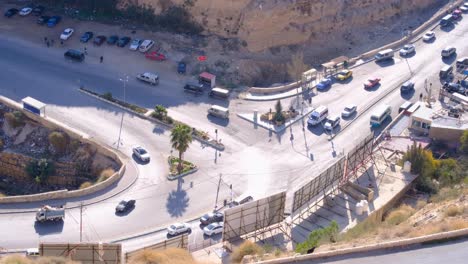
(124,80)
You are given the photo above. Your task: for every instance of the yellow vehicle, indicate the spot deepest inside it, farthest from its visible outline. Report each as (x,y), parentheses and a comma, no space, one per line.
(344,74)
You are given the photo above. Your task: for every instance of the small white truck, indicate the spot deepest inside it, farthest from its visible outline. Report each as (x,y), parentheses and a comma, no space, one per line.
(50,213)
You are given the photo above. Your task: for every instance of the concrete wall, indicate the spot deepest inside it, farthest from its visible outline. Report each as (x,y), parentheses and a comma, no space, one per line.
(445,134)
(276,89)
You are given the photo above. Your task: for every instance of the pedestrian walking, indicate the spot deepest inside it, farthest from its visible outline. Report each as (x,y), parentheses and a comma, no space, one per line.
(420,97)
(61,42)
(85,51)
(45,39)
(101,58)
(47,43)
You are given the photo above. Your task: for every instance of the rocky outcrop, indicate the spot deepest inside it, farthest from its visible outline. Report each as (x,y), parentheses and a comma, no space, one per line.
(262,24)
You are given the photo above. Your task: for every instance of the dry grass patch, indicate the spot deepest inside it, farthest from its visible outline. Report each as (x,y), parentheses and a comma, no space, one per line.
(18,259)
(399,215)
(167,256)
(106,174)
(246,248)
(454,210)
(442,226)
(85,185)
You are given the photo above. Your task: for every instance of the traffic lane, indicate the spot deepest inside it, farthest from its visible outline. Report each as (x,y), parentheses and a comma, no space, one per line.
(453,252)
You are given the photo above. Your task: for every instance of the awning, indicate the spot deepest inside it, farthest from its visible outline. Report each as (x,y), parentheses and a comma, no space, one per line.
(206,75)
(33,102)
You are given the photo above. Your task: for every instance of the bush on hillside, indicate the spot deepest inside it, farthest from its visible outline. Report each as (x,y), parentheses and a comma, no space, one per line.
(59,141)
(167,256)
(246,248)
(15,119)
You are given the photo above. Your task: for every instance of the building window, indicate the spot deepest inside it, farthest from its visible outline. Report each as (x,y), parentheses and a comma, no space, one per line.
(425,126)
(416,123)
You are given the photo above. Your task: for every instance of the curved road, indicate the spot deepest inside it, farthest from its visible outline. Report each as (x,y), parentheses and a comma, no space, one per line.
(256,162)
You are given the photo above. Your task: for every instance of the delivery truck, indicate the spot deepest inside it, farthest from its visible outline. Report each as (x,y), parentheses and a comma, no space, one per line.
(50,213)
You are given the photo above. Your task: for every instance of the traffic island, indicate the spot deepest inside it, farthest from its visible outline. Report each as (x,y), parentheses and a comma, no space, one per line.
(187,168)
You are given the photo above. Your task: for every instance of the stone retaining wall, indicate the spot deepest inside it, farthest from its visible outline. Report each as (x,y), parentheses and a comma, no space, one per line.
(275,89)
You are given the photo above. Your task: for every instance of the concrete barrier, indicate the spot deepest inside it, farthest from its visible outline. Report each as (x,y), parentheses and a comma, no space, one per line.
(275,89)
(369,248)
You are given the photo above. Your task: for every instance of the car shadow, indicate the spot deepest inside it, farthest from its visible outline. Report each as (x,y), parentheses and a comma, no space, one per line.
(214,238)
(407,95)
(447,28)
(344,81)
(351,117)
(126,212)
(138,161)
(218,120)
(385,63)
(432,40)
(378,129)
(316,130)
(49,227)
(410,55)
(449,60)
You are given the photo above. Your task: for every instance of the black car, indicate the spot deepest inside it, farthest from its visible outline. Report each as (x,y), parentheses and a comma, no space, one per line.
(123,41)
(408,86)
(99,40)
(74,55)
(43,20)
(38,10)
(11,12)
(181,67)
(124,206)
(112,39)
(453,88)
(211,218)
(86,36)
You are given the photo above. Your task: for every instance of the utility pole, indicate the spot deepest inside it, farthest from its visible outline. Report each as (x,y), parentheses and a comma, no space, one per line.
(124,80)
(217,192)
(81,222)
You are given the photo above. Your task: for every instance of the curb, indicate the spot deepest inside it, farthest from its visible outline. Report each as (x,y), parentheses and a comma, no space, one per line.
(445,236)
(175,177)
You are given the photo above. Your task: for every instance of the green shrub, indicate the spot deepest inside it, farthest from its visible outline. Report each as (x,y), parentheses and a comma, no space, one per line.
(246,248)
(107,96)
(59,141)
(318,236)
(15,119)
(40,170)
(85,185)
(160,112)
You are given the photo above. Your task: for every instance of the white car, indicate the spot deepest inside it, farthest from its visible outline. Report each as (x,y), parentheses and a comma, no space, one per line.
(430,35)
(349,111)
(213,229)
(464,8)
(141,153)
(66,34)
(407,49)
(135,44)
(146,45)
(25,11)
(178,228)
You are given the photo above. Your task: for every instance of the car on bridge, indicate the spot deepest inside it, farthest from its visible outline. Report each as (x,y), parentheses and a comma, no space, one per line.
(344,75)
(429,36)
(372,82)
(211,218)
(213,229)
(324,84)
(178,228)
(124,206)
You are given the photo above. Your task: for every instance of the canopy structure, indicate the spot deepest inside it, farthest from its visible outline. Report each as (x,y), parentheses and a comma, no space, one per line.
(34,106)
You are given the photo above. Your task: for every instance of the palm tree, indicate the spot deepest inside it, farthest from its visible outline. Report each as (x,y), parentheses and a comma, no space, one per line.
(181,137)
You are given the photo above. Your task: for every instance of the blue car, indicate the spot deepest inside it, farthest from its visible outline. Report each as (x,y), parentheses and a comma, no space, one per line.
(324,84)
(54,20)
(181,67)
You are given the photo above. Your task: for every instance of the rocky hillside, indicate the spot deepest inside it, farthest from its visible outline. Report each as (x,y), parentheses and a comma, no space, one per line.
(262,24)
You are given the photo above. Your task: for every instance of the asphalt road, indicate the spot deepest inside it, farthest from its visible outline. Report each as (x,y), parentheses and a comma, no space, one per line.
(255,161)
(451,252)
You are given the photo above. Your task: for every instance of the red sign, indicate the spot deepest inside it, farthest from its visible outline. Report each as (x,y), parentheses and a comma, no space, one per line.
(201,58)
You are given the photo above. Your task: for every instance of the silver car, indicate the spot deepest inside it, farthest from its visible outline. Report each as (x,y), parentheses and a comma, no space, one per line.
(141,153)
(178,228)
(349,111)
(407,49)
(135,44)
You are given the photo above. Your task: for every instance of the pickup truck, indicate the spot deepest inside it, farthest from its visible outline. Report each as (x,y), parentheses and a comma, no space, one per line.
(50,213)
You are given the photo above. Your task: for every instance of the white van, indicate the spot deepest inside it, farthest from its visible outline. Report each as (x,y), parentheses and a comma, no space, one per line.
(379,115)
(332,123)
(384,55)
(146,45)
(148,77)
(317,116)
(219,92)
(219,111)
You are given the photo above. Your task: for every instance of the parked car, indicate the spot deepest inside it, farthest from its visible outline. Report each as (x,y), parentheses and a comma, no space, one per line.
(124,206)
(211,218)
(99,40)
(181,67)
(123,41)
(372,82)
(448,51)
(141,153)
(344,74)
(86,36)
(243,201)
(135,44)
(155,55)
(349,111)
(146,45)
(430,35)
(43,20)
(457,14)
(112,39)
(11,12)
(178,228)
(408,86)
(331,123)
(407,49)
(324,84)
(38,10)
(213,229)
(454,88)
(53,21)
(66,34)
(25,11)
(74,55)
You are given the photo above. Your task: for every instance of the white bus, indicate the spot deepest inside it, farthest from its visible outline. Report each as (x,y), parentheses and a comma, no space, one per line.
(380,114)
